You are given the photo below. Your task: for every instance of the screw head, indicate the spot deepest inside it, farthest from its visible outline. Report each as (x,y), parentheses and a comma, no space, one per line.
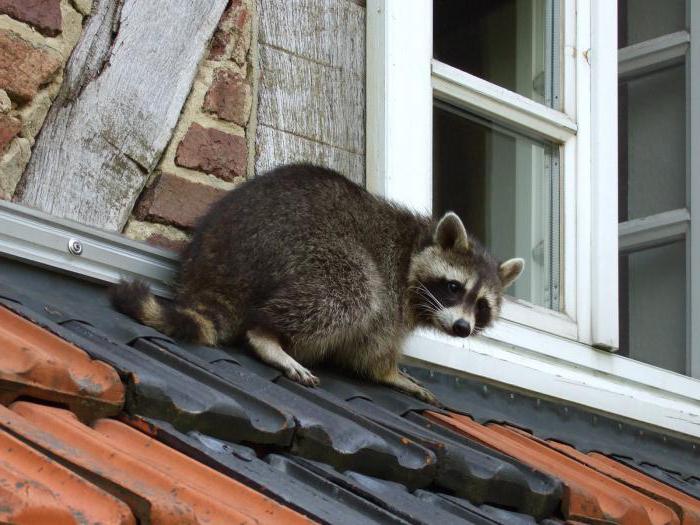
(75,246)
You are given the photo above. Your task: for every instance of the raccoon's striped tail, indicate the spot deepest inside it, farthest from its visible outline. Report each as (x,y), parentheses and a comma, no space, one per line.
(135,299)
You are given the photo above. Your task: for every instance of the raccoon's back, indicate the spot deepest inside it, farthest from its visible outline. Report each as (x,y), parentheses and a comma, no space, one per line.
(282,219)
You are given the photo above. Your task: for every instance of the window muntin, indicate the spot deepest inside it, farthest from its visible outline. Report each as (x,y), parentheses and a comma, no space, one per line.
(504,185)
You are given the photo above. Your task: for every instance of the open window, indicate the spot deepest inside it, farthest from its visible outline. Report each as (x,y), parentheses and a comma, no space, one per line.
(506,112)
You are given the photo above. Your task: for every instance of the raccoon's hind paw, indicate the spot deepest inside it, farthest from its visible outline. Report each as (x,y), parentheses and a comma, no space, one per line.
(298,373)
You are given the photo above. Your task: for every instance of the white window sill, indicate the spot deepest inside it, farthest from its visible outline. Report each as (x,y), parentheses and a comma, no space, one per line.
(559,368)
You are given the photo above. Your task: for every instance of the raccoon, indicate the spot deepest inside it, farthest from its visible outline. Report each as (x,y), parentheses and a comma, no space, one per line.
(311,268)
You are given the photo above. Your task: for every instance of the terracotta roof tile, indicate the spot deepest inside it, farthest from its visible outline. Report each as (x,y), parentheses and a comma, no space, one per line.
(686,507)
(35,363)
(160,484)
(589,495)
(35,489)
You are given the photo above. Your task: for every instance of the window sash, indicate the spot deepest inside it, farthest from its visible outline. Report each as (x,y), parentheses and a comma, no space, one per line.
(645,58)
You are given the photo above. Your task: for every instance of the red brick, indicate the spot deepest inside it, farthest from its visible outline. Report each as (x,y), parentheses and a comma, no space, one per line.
(177,201)
(23,67)
(213,151)
(229,97)
(234,24)
(9,127)
(44,15)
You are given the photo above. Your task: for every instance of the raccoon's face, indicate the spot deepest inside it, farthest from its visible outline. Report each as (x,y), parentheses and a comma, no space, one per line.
(454,284)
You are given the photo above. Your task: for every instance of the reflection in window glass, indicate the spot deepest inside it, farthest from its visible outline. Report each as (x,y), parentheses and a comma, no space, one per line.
(652,313)
(505,186)
(512,43)
(641,20)
(652,143)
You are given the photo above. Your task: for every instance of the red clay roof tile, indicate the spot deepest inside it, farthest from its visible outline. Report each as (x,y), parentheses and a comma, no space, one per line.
(687,507)
(160,484)
(35,489)
(589,495)
(36,363)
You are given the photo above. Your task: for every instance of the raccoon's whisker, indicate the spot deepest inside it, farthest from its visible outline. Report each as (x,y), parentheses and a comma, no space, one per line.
(430,294)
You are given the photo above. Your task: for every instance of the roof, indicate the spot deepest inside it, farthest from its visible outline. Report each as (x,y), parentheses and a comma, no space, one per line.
(104,420)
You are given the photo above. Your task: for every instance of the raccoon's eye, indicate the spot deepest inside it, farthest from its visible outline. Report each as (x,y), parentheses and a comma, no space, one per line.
(454,287)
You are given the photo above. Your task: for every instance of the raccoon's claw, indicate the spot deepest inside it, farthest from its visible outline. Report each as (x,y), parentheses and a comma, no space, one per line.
(298,373)
(426,396)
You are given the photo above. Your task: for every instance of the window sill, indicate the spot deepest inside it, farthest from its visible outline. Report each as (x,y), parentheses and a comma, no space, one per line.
(563,369)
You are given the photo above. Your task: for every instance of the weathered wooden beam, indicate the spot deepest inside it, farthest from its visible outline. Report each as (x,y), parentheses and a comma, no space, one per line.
(311,95)
(124,88)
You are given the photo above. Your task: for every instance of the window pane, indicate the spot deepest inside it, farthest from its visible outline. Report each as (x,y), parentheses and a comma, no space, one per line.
(512,43)
(505,186)
(653,320)
(641,20)
(652,142)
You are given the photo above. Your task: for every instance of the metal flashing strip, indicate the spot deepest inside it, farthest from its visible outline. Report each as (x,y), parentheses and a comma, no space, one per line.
(568,423)
(35,237)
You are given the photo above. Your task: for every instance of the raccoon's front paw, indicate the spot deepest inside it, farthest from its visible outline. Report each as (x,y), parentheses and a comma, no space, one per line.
(298,373)
(426,396)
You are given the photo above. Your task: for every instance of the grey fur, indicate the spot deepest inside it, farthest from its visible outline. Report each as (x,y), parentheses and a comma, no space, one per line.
(311,268)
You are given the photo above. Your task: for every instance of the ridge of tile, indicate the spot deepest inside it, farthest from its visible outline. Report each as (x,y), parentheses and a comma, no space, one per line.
(581,428)
(329,430)
(474,471)
(35,363)
(160,484)
(687,508)
(274,476)
(390,495)
(589,495)
(163,384)
(34,488)
(675,480)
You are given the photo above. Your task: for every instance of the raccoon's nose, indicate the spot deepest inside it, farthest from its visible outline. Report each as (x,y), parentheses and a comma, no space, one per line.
(461,328)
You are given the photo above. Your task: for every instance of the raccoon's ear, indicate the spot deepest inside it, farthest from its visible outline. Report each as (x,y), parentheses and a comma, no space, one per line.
(510,270)
(450,233)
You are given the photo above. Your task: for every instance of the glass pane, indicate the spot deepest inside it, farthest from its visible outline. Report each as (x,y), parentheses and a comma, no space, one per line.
(512,43)
(641,20)
(653,320)
(652,143)
(505,186)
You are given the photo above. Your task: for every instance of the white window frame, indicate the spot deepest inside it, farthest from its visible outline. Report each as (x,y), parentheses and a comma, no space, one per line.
(564,355)
(674,225)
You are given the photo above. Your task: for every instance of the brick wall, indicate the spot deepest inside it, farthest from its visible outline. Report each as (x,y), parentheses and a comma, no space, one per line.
(305,66)
(36,39)
(209,151)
